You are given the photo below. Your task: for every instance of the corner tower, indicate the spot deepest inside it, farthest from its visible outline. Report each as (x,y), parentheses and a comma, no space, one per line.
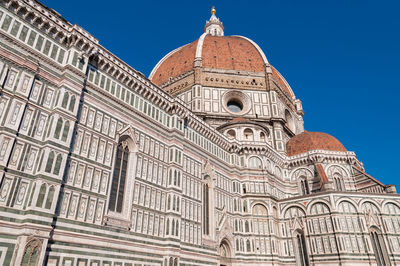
(228,81)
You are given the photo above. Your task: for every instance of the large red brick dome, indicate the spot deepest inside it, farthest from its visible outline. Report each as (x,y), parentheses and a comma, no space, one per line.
(308,141)
(216,52)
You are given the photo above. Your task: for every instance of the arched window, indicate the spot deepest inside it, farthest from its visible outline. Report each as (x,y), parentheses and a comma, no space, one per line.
(255,163)
(72,103)
(246,227)
(248,246)
(170,177)
(50,161)
(248,134)
(31,253)
(65,100)
(58,128)
(378,243)
(177,228)
(49,199)
(305,190)
(231,134)
(169,202)
(119,176)
(262,136)
(175,178)
(167,227)
(206,219)
(259,210)
(338,181)
(58,164)
(42,193)
(176,262)
(65,131)
(301,253)
(171,261)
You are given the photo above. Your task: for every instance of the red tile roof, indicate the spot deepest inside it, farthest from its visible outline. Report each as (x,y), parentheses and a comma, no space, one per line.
(308,141)
(220,52)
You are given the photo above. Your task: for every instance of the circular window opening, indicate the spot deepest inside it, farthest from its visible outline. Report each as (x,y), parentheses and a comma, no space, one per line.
(235,106)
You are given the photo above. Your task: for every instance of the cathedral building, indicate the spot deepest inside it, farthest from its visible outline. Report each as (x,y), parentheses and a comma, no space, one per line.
(204,162)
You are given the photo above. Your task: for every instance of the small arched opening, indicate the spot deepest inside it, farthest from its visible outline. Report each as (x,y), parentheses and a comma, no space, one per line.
(231,134)
(225,253)
(248,134)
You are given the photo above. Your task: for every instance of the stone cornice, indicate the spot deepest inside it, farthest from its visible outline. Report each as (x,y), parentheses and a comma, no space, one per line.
(323,156)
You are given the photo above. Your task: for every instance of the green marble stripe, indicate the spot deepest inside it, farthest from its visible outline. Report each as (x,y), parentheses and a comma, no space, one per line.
(86,192)
(102,253)
(110,230)
(5,236)
(91,162)
(9,252)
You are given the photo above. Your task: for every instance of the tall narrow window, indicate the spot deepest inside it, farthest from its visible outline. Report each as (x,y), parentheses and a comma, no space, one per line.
(119,176)
(301,249)
(58,128)
(65,131)
(72,104)
(58,164)
(31,253)
(206,219)
(42,193)
(65,100)
(379,246)
(49,199)
(305,190)
(50,161)
(338,182)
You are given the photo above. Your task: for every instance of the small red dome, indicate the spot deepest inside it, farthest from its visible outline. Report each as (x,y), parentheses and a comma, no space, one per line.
(308,141)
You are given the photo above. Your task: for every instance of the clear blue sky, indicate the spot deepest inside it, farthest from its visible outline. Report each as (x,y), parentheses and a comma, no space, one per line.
(340,57)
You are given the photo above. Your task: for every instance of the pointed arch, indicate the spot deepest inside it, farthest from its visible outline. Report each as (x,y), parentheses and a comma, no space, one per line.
(50,161)
(255,162)
(304,186)
(301,248)
(42,193)
(206,210)
(119,176)
(65,131)
(368,205)
(57,131)
(49,199)
(225,250)
(57,166)
(259,209)
(379,246)
(65,100)
(31,253)
(72,103)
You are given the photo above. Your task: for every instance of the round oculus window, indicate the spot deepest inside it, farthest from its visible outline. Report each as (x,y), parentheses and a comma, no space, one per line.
(234,106)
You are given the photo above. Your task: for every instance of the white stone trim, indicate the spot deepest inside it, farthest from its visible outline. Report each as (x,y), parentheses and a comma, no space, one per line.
(199,48)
